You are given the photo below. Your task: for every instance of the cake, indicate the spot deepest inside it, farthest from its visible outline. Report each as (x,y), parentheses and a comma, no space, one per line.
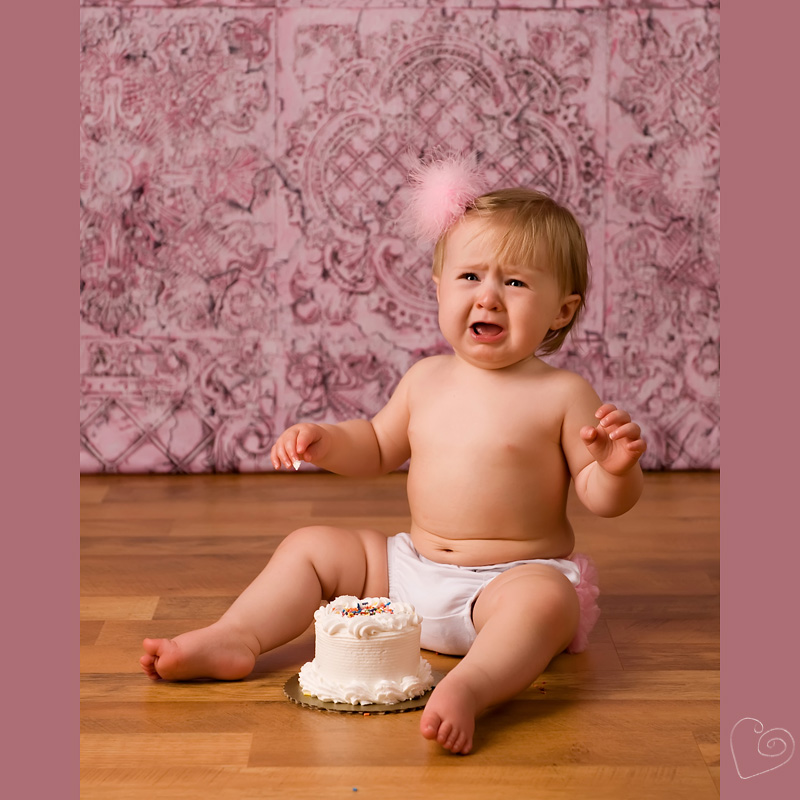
(366,651)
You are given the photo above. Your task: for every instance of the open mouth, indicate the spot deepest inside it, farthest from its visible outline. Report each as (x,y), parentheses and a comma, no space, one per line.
(486,331)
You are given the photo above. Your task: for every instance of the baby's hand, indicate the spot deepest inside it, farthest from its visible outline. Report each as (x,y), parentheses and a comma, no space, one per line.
(303,442)
(616,443)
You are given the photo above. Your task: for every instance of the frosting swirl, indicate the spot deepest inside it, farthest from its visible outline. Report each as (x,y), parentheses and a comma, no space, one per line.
(360,692)
(334,620)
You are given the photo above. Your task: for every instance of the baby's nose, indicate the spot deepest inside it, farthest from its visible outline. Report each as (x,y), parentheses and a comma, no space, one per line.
(489,296)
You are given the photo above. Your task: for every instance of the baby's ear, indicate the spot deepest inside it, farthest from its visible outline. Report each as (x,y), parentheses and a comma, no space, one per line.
(567,311)
(436,281)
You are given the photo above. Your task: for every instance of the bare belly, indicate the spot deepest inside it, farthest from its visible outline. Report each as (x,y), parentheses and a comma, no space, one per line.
(475,552)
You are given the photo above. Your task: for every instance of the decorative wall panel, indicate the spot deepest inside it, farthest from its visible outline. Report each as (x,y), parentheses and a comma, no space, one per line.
(243,167)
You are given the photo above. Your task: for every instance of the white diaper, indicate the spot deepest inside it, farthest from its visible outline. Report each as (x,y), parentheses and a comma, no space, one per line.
(443,594)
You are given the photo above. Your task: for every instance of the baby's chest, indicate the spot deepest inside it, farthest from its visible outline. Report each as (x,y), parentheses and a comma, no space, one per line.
(469,423)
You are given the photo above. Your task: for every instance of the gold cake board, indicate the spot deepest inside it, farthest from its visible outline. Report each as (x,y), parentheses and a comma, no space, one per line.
(293,691)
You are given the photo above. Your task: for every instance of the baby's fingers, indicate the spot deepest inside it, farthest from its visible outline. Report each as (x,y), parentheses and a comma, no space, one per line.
(629,430)
(637,447)
(276,455)
(284,451)
(300,445)
(305,438)
(279,456)
(588,434)
(615,417)
(604,410)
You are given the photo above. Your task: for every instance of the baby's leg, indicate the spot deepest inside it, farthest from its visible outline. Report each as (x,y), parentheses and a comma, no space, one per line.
(310,565)
(524,618)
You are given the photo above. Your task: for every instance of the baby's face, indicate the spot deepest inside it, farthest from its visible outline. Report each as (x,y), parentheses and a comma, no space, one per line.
(494,315)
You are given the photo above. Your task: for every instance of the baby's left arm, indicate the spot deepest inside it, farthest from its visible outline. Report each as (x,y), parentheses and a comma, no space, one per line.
(608,478)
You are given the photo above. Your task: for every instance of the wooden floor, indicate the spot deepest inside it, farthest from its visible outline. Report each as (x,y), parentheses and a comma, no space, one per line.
(635,716)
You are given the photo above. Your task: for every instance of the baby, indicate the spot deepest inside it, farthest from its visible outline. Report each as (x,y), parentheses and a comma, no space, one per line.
(494,435)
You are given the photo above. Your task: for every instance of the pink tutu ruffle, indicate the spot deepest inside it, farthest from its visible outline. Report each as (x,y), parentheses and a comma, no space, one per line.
(588,592)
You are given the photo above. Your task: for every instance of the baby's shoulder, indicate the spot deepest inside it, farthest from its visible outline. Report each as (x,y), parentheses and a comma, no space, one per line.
(565,377)
(425,376)
(566,384)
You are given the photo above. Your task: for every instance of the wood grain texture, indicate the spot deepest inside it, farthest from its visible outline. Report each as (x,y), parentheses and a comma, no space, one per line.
(635,716)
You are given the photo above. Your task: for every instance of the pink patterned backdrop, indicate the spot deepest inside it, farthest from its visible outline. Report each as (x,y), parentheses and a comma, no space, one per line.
(242,168)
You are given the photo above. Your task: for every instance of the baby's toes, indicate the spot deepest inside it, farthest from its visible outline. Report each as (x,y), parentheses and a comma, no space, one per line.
(456,741)
(430,723)
(446,734)
(148,667)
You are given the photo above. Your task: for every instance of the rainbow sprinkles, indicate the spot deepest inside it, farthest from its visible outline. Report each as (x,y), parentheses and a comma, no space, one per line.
(367,609)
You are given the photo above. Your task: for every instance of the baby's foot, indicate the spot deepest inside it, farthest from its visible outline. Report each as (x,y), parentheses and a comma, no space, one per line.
(213,652)
(449,715)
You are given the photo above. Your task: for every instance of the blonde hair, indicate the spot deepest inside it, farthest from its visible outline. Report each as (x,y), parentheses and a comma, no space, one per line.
(530,224)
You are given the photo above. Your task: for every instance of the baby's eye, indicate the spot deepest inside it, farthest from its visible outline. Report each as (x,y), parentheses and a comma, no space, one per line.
(469,276)
(516,282)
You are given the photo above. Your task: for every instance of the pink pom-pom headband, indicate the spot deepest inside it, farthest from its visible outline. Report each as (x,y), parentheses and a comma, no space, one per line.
(442,191)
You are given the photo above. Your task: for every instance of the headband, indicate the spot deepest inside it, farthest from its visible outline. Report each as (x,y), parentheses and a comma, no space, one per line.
(441,192)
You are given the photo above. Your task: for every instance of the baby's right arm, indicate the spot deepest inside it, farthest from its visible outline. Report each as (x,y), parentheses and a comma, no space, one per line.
(359,447)
(349,448)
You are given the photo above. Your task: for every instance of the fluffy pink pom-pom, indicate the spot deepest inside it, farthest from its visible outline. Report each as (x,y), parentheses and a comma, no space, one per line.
(442,190)
(587,591)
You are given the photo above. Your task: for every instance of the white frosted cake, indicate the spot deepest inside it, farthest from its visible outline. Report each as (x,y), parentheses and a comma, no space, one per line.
(367,651)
